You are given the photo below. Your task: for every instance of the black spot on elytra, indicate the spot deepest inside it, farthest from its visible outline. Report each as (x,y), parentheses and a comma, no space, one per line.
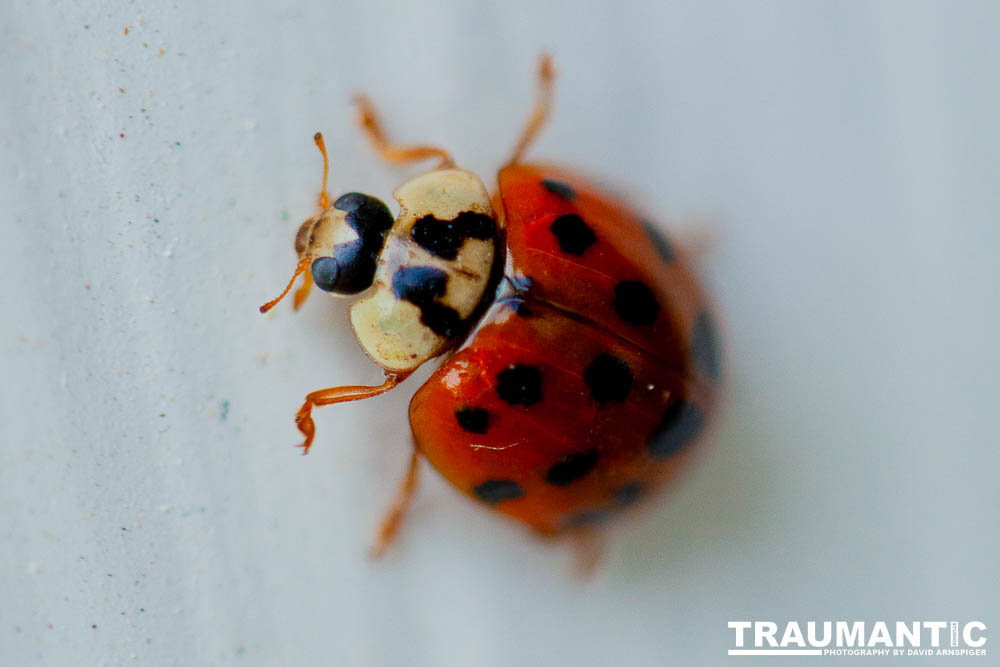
(681,423)
(586,518)
(628,494)
(421,285)
(520,384)
(663,246)
(704,347)
(473,420)
(572,467)
(351,267)
(573,234)
(443,238)
(635,303)
(498,490)
(608,378)
(559,189)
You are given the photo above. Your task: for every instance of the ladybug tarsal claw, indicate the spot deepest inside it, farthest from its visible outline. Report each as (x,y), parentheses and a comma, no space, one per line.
(304,422)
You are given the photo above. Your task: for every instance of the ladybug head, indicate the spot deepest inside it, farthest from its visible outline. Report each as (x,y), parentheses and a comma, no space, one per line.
(340,246)
(343,242)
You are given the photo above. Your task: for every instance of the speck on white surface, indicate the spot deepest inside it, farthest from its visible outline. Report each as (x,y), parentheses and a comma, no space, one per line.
(155,161)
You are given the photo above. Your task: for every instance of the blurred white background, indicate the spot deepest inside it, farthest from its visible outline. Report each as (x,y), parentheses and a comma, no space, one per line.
(155,161)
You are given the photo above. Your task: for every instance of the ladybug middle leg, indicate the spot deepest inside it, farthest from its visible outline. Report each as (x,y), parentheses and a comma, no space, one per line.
(540,113)
(394,515)
(303,418)
(394,153)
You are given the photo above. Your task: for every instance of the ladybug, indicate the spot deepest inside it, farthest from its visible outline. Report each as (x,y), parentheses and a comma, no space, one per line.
(581,356)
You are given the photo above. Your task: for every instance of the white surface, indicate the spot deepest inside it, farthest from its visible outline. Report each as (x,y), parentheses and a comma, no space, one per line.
(844,153)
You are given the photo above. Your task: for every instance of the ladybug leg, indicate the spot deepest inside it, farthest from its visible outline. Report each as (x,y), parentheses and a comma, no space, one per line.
(303,418)
(389,527)
(540,113)
(394,153)
(589,545)
(697,241)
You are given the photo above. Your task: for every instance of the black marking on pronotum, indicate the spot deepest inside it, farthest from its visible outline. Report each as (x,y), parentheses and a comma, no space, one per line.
(608,378)
(473,420)
(573,234)
(628,494)
(520,384)
(572,467)
(663,246)
(498,490)
(704,347)
(680,424)
(443,238)
(635,303)
(559,189)
(351,267)
(421,285)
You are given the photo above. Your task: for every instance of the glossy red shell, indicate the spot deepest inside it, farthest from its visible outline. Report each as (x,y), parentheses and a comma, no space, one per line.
(586,382)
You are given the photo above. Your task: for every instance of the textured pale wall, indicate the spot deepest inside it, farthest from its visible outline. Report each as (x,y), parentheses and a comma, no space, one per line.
(153,510)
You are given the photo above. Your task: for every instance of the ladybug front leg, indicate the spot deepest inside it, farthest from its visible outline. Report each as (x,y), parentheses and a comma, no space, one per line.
(393,153)
(303,418)
(394,516)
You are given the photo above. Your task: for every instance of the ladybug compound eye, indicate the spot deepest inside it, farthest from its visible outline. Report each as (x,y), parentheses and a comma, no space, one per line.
(345,242)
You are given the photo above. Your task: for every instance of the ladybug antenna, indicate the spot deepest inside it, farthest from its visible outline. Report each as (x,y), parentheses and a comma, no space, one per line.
(324,197)
(299,268)
(543,105)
